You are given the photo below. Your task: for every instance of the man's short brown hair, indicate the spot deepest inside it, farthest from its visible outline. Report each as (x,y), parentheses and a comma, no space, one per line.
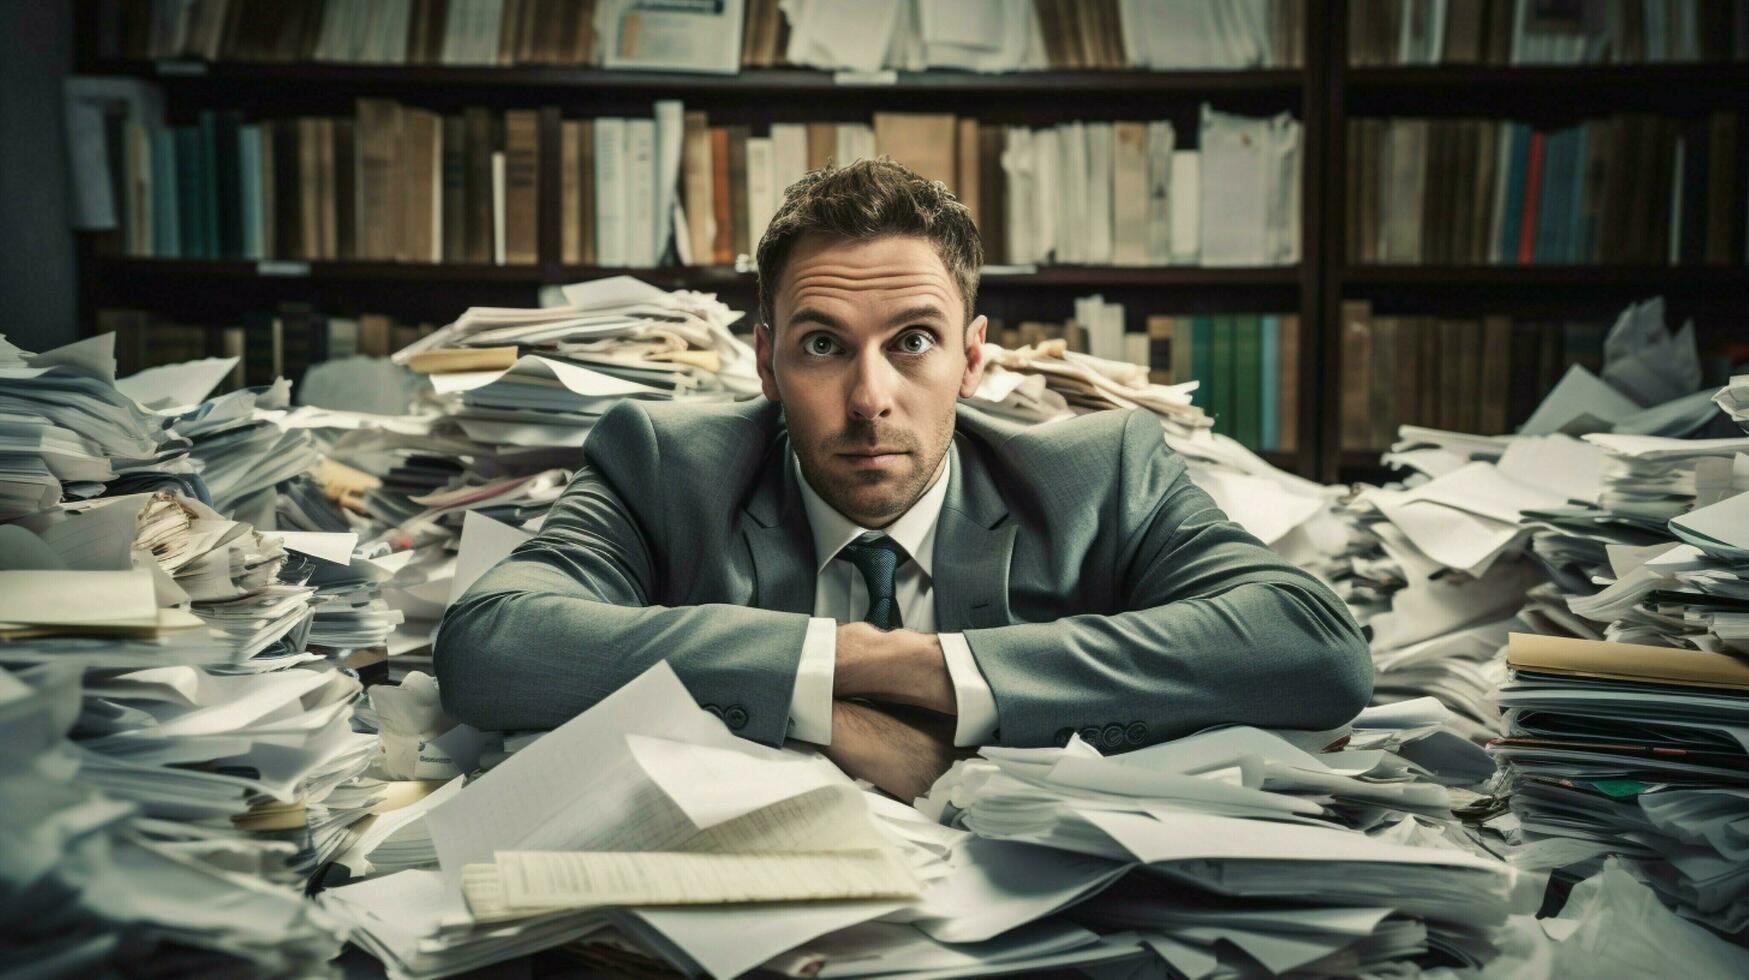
(866,200)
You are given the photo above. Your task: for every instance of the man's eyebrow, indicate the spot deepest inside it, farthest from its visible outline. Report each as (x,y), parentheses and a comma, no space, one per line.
(808,314)
(925,311)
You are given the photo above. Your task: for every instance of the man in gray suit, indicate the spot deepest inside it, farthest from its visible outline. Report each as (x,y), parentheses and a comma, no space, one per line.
(859,561)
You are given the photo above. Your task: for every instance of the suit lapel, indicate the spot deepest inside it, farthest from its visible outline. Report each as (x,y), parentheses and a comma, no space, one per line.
(779,540)
(974,545)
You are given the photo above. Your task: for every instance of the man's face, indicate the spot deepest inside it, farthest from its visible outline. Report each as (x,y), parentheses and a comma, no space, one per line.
(869,353)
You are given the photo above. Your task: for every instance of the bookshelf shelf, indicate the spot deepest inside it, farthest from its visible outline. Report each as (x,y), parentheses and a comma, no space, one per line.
(1691,85)
(448,275)
(403,79)
(1599,277)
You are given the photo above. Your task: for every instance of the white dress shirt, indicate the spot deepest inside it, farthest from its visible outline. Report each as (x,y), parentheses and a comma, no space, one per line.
(841,596)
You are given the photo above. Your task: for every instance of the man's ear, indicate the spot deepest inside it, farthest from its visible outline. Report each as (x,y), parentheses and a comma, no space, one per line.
(764,351)
(974,356)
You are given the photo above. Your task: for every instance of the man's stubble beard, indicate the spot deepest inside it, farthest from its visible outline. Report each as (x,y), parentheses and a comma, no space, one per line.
(841,491)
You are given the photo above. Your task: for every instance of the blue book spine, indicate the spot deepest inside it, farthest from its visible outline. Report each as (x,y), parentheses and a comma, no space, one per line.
(1270,394)
(189,195)
(210,209)
(166,238)
(1550,216)
(1513,218)
(249,165)
(1577,230)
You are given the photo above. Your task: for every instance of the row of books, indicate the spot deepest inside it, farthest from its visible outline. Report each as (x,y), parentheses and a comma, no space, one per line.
(1536,32)
(723,36)
(279,343)
(1247,364)
(1636,189)
(1127,193)
(391,183)
(1483,376)
(399,183)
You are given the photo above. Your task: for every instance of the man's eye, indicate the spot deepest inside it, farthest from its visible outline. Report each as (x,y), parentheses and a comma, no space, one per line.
(916,342)
(819,344)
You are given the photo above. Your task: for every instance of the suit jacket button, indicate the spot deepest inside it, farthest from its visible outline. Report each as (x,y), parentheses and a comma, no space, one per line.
(1090,735)
(713,709)
(1136,734)
(736,716)
(1113,736)
(1062,737)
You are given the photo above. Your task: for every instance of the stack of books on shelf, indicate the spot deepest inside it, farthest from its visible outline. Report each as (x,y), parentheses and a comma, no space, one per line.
(1625,189)
(1531,32)
(1481,376)
(1006,35)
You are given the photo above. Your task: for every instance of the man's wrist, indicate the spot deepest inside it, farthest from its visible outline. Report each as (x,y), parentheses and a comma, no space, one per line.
(904,666)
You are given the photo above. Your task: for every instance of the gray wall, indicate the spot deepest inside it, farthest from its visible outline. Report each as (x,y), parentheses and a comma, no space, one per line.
(38,308)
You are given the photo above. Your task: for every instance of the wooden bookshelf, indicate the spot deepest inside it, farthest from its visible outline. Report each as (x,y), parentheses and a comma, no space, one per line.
(1552,95)
(1324,93)
(214,289)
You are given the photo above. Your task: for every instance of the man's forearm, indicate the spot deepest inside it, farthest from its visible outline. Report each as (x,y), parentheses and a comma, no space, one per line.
(902,666)
(902,752)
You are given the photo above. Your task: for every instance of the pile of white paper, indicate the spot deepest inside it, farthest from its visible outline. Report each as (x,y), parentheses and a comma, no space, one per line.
(244,451)
(66,431)
(1047,382)
(1276,856)
(85,888)
(658,795)
(1633,751)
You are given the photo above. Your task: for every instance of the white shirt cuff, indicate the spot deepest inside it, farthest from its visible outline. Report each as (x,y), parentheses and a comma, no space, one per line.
(810,704)
(977,703)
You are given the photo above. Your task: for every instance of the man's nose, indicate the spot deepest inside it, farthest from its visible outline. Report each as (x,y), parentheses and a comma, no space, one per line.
(871,387)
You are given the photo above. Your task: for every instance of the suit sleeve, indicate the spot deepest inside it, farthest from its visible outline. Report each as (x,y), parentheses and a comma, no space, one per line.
(1217,629)
(566,619)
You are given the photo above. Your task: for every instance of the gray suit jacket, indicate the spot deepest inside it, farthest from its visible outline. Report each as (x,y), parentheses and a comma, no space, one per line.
(1100,590)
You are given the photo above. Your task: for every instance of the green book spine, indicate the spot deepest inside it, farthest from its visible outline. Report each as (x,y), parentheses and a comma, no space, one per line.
(1202,334)
(1269,380)
(1221,399)
(211,210)
(188,194)
(227,180)
(166,196)
(1247,381)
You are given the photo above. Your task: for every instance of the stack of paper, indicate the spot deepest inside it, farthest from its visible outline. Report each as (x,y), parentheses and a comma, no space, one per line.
(244,450)
(66,430)
(675,341)
(191,713)
(659,797)
(1647,558)
(82,875)
(1257,839)
(347,608)
(1636,751)
(1044,383)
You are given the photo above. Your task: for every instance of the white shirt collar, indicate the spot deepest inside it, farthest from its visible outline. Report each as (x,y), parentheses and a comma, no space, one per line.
(914,530)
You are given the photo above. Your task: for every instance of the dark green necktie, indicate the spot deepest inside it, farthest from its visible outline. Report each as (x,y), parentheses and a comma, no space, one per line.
(878,561)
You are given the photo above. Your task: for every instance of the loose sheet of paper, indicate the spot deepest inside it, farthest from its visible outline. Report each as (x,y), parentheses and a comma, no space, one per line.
(581,879)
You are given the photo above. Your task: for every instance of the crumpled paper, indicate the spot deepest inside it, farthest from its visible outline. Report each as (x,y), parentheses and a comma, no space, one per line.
(419,741)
